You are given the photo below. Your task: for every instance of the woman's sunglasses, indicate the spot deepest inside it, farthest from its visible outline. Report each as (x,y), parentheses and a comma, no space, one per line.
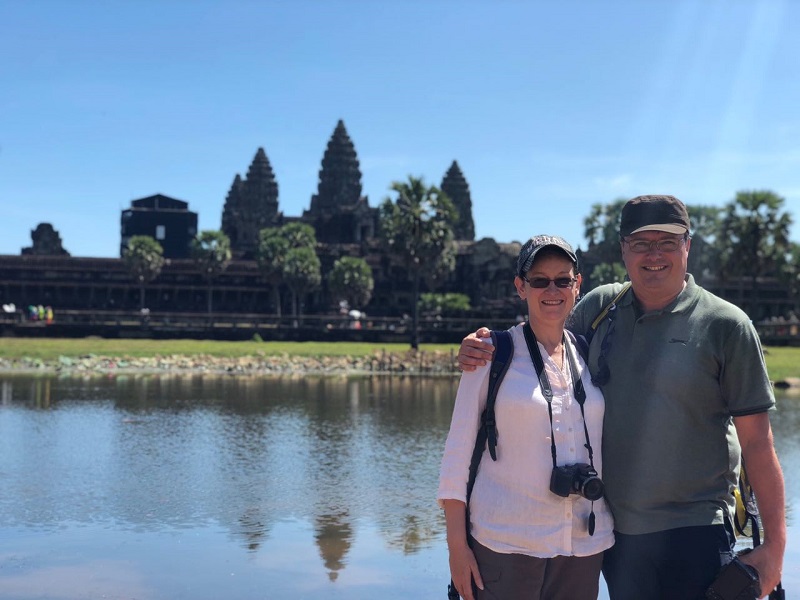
(543,282)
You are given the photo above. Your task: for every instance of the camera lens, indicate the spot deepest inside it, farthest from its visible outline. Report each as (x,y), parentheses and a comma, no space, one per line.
(592,488)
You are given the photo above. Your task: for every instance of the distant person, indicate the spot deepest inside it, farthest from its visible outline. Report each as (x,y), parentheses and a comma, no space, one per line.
(527,538)
(687,395)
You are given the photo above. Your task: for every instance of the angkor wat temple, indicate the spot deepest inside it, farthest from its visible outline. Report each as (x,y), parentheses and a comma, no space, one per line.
(345,225)
(339,213)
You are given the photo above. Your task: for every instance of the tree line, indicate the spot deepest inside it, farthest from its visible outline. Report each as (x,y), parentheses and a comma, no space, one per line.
(746,239)
(416,226)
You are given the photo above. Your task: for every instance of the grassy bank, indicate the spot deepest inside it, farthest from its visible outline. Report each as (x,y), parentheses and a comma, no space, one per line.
(51,349)
(782,362)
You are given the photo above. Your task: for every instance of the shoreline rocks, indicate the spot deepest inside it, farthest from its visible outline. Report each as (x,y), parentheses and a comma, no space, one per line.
(408,363)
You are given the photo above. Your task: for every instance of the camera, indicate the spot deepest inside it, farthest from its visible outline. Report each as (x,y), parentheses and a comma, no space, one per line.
(579,479)
(736,581)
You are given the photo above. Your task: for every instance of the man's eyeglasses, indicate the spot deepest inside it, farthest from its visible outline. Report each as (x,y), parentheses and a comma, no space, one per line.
(644,246)
(543,282)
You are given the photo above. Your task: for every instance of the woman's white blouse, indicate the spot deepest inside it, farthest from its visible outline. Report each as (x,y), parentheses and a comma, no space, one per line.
(512,509)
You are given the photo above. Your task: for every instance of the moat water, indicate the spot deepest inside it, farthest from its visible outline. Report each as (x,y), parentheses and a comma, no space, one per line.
(201,488)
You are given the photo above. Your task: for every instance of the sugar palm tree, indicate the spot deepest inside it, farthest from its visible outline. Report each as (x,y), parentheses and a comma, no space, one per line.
(754,240)
(418,227)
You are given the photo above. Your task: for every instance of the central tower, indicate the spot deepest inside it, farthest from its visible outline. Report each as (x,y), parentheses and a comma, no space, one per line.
(338,212)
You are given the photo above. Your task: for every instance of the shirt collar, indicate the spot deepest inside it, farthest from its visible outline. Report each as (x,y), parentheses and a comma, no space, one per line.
(680,304)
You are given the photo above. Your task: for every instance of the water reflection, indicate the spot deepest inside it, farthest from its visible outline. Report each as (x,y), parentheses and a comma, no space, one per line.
(154,452)
(334,535)
(273,466)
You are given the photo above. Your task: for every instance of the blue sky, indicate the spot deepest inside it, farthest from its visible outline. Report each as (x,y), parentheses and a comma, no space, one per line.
(549,107)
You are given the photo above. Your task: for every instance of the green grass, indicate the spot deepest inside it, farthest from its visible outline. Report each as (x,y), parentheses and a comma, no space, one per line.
(51,348)
(782,361)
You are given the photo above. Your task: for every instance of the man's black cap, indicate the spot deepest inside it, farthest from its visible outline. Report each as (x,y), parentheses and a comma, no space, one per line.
(654,213)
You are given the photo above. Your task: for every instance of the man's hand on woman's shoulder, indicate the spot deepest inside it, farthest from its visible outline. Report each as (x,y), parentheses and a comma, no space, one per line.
(474,352)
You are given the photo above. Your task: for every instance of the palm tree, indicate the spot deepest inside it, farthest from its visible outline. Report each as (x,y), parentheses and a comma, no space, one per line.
(418,227)
(144,258)
(754,240)
(704,259)
(211,251)
(299,235)
(601,230)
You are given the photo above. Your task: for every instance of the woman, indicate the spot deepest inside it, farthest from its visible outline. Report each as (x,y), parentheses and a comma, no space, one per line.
(529,534)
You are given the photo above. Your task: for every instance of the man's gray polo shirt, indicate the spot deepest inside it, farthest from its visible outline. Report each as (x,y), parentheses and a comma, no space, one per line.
(677,377)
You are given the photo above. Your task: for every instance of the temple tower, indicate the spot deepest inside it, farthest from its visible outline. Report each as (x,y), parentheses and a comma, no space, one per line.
(46,242)
(457,189)
(231,212)
(339,213)
(251,205)
(340,176)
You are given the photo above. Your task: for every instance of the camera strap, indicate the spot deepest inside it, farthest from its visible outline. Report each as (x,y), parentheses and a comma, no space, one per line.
(544,382)
(579,393)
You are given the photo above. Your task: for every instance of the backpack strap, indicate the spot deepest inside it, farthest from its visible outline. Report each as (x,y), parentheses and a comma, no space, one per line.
(581,343)
(746,509)
(604,313)
(487,431)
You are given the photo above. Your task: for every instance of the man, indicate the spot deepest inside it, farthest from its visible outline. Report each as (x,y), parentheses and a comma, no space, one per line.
(687,395)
